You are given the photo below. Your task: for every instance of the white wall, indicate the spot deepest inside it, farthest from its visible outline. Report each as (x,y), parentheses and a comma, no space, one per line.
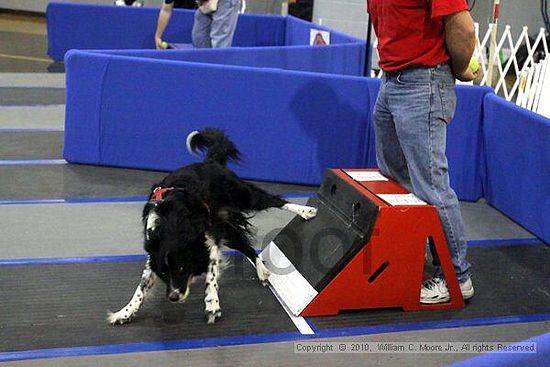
(348,16)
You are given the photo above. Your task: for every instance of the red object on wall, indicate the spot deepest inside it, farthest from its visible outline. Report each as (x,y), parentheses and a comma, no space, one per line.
(388,271)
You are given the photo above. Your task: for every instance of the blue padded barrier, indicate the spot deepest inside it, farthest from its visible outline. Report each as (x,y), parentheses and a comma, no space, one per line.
(517,150)
(290,126)
(83,108)
(345,59)
(370,159)
(255,30)
(91,26)
(255,96)
(464,141)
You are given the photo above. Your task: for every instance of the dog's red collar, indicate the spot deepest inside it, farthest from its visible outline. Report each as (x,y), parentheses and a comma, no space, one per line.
(159,192)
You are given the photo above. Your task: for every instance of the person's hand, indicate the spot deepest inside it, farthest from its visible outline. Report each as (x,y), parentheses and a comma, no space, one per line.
(468,75)
(158,43)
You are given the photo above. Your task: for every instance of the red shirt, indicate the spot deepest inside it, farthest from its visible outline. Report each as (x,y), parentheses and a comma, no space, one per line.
(411,32)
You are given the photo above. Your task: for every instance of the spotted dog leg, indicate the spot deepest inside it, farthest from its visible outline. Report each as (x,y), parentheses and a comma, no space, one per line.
(262,271)
(211,300)
(304,211)
(148,279)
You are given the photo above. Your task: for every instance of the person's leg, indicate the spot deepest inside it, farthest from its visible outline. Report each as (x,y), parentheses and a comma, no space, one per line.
(389,155)
(200,34)
(422,103)
(224,22)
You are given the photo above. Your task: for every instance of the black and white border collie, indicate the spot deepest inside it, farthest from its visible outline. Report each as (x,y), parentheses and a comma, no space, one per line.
(190,214)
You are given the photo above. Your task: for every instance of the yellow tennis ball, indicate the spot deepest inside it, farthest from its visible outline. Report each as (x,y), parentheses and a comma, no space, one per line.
(474,64)
(164,45)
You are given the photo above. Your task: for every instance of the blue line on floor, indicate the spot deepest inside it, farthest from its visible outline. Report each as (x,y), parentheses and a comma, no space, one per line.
(89,259)
(92,200)
(72,260)
(262,338)
(148,347)
(127,258)
(32,162)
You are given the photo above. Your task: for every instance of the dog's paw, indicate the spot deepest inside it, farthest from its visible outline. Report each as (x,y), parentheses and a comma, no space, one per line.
(308,212)
(304,211)
(213,315)
(117,318)
(262,271)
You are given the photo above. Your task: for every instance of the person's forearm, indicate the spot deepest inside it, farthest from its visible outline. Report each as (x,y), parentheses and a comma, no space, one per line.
(460,40)
(163,20)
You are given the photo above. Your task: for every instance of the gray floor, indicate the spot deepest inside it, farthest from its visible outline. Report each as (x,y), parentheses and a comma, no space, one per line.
(17,145)
(24,96)
(39,222)
(46,117)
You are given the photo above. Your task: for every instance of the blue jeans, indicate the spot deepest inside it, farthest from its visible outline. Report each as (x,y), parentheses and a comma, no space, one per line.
(216,29)
(411,115)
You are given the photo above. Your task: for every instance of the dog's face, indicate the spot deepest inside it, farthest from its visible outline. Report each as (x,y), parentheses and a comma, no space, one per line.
(174,230)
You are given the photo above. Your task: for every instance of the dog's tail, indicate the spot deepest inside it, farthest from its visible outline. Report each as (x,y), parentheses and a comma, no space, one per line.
(218,146)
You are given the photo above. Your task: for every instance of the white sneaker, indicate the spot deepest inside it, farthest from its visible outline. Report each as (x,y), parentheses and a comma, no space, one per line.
(435,291)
